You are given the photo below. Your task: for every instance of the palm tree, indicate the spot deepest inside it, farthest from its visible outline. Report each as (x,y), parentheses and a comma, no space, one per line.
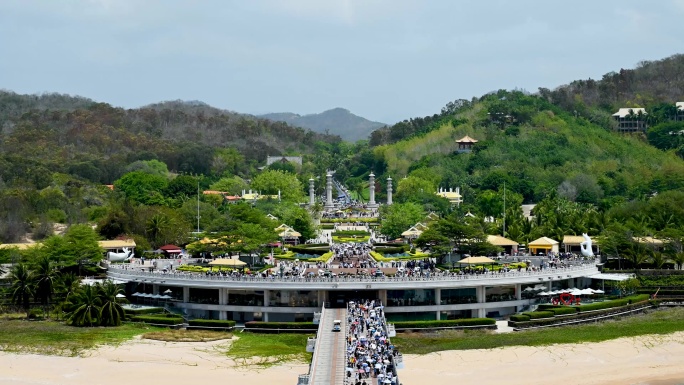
(45,276)
(111,312)
(22,286)
(84,307)
(156,226)
(678,259)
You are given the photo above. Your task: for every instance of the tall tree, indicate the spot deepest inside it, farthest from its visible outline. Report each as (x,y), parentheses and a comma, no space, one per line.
(22,286)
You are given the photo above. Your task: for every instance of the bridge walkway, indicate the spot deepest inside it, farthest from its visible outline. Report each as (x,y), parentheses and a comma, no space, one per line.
(328,362)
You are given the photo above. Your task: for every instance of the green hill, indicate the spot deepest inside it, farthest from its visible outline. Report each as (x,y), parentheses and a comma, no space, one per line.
(95,141)
(535,148)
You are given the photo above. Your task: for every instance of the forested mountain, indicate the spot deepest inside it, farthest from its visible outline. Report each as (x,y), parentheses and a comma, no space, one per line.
(96,141)
(337,121)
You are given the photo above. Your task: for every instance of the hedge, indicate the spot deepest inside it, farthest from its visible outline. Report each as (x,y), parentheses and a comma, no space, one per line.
(521,322)
(444,323)
(390,250)
(280,325)
(212,323)
(563,310)
(145,310)
(350,233)
(162,320)
(519,318)
(539,314)
(319,250)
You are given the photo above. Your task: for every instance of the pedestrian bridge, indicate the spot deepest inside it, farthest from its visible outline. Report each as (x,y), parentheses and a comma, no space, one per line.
(329,361)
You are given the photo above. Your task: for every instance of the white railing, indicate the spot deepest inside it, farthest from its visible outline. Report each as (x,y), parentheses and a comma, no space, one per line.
(423,278)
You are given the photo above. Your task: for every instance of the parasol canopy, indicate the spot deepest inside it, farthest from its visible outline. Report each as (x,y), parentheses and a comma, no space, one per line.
(227,262)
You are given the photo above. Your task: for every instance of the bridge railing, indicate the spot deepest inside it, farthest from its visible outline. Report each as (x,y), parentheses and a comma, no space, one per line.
(493,276)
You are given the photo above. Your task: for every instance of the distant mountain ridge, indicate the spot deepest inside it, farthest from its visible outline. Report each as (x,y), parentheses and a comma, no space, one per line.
(337,121)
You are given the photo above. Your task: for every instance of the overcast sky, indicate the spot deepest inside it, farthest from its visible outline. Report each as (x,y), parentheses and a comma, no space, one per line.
(385,60)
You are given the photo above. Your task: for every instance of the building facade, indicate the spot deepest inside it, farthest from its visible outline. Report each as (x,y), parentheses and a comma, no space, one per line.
(297,299)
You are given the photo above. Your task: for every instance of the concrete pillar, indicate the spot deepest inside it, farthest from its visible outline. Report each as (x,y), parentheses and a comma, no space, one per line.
(186,294)
(312,197)
(571,283)
(481,294)
(438,301)
(267,297)
(264,317)
(371,190)
(481,313)
(550,285)
(389,191)
(328,192)
(155,288)
(223,315)
(518,291)
(382,296)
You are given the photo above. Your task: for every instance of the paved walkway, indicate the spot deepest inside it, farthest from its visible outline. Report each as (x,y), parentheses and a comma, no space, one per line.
(327,364)
(502,327)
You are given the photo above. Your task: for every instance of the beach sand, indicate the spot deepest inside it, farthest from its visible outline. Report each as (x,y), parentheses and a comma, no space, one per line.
(652,360)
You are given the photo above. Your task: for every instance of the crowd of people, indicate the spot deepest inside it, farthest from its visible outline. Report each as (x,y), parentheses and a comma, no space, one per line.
(370,356)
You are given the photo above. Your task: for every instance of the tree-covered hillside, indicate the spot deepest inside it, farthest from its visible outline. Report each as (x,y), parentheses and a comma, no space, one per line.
(534,146)
(96,141)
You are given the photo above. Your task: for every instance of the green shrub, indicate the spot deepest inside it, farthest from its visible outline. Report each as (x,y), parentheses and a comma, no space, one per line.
(563,310)
(350,233)
(519,318)
(539,314)
(145,310)
(212,323)
(603,305)
(280,325)
(444,323)
(638,298)
(35,313)
(548,306)
(161,320)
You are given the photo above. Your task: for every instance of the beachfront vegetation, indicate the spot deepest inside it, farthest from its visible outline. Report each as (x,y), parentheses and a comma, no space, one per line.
(655,322)
(265,350)
(174,335)
(444,323)
(56,338)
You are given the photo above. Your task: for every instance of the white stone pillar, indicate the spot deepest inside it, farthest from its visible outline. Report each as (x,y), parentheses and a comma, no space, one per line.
(312,197)
(328,192)
(155,288)
(371,191)
(518,291)
(389,191)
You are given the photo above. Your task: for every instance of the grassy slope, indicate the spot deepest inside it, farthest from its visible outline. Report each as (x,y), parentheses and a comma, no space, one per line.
(55,338)
(654,323)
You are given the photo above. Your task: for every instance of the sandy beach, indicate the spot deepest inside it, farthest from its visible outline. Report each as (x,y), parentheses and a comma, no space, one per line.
(653,360)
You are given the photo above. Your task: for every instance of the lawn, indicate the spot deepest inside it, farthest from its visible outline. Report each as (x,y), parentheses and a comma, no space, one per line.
(255,349)
(55,338)
(654,322)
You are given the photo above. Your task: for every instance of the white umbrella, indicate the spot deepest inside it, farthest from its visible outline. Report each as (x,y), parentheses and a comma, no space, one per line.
(165,297)
(529,289)
(543,293)
(599,291)
(120,296)
(135,295)
(168,291)
(155,296)
(587,292)
(576,292)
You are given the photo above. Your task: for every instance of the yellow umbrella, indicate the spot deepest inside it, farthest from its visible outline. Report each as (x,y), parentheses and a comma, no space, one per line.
(227,262)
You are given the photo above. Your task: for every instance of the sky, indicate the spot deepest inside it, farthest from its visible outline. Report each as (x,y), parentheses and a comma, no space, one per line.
(385,60)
